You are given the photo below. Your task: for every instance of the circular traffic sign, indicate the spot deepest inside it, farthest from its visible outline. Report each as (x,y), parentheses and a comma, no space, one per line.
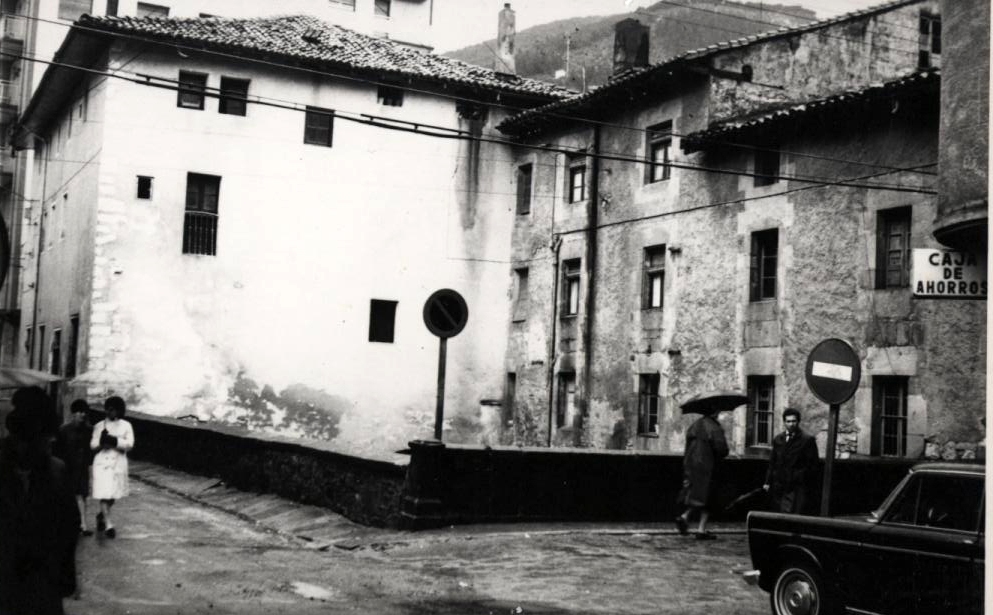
(445,313)
(833,371)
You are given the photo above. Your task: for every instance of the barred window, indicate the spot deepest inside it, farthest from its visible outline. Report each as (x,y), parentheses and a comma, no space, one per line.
(649,403)
(319,126)
(889,416)
(760,413)
(200,222)
(893,248)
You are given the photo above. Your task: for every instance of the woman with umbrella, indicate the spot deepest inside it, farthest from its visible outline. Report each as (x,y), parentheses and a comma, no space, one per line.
(705,447)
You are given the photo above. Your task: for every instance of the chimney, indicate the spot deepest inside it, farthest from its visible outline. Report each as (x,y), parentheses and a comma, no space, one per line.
(630,45)
(506,31)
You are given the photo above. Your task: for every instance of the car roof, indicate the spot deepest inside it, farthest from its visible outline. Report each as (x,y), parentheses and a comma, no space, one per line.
(951,467)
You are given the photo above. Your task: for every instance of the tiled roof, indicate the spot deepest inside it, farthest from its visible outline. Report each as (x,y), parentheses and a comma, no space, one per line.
(308,39)
(637,76)
(923,81)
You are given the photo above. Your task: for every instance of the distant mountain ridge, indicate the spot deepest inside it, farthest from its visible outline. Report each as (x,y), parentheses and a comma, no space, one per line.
(676,26)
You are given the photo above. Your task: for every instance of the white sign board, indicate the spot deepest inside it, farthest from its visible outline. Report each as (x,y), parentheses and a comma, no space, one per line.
(943,274)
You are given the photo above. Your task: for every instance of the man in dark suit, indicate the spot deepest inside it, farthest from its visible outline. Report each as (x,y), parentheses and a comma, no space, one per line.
(792,466)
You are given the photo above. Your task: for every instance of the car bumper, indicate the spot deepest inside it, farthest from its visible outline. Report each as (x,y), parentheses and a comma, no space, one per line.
(751,577)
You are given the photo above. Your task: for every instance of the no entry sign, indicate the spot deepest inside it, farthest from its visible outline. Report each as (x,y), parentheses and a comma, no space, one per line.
(833,371)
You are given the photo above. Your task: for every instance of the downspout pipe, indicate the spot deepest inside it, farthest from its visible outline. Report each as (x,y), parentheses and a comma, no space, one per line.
(592,222)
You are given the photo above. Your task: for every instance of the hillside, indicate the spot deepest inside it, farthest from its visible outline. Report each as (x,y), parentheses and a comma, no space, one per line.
(676,26)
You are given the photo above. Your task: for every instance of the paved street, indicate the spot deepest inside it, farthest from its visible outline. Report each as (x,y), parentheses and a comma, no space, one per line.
(177,555)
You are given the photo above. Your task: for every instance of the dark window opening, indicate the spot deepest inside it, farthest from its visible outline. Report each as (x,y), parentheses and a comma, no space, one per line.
(112,8)
(889,416)
(389,96)
(382,8)
(200,222)
(760,413)
(73,350)
(766,167)
(893,248)
(318,126)
(764,258)
(191,90)
(649,403)
(929,41)
(144,187)
(234,96)
(382,320)
(525,173)
(653,278)
(565,408)
(659,152)
(577,181)
(56,352)
(747,72)
(522,295)
(570,287)
(42,355)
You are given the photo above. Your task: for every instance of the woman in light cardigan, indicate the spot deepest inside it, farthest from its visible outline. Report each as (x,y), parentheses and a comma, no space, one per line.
(113,437)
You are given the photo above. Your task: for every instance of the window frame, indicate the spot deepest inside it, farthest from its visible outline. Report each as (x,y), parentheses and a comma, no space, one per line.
(571,277)
(929,39)
(658,138)
(649,404)
(887,222)
(201,218)
(379,11)
(885,388)
(195,90)
(525,187)
(760,390)
(151,10)
(563,408)
(55,352)
(760,264)
(522,294)
(577,169)
(652,270)
(233,100)
(316,112)
(72,351)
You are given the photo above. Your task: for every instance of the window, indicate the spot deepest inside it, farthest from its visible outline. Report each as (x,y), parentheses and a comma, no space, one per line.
(521,297)
(382,317)
(73,9)
(55,352)
(80,106)
(653,278)
(577,179)
(525,173)
(112,8)
(893,248)
(152,10)
(659,152)
(762,282)
(42,355)
(565,409)
(234,96)
(389,96)
(27,346)
(318,126)
(930,40)
(766,167)
(191,90)
(344,4)
(382,8)
(570,287)
(200,223)
(510,397)
(760,413)
(889,416)
(648,404)
(144,187)
(947,502)
(73,350)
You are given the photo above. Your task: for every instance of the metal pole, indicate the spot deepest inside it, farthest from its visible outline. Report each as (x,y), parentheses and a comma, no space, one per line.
(832,441)
(439,411)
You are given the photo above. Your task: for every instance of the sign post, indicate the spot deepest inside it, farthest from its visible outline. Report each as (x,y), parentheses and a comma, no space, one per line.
(833,373)
(445,315)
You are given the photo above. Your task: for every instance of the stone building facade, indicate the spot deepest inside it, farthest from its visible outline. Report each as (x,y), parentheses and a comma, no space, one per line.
(703,223)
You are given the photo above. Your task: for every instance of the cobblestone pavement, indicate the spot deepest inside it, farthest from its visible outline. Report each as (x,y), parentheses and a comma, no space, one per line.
(174,555)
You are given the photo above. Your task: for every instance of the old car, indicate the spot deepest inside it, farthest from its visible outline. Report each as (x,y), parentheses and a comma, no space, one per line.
(920,552)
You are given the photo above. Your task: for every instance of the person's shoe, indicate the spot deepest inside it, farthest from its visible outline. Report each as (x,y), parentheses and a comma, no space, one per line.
(681,526)
(705,536)
(101,523)
(110,533)
(85,532)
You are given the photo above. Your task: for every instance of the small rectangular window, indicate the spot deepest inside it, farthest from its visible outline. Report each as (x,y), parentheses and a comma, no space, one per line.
(576,190)
(382,319)
(659,148)
(570,287)
(191,90)
(893,248)
(42,354)
(200,222)
(889,416)
(144,187)
(234,96)
(649,403)
(343,4)
(152,10)
(55,352)
(73,350)
(766,167)
(929,41)
(565,409)
(510,398)
(112,8)
(653,278)
(389,96)
(522,294)
(760,413)
(524,177)
(764,260)
(318,126)
(72,9)
(382,8)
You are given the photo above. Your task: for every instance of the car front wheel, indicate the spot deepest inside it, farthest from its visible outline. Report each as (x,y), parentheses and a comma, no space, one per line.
(800,590)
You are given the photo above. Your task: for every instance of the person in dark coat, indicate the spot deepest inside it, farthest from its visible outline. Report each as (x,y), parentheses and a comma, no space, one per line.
(792,466)
(39,522)
(72,446)
(705,447)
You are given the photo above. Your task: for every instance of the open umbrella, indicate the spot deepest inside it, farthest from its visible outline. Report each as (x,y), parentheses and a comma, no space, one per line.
(16,377)
(714,400)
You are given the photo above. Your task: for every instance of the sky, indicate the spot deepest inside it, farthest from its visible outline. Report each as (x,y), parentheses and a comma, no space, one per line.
(459,23)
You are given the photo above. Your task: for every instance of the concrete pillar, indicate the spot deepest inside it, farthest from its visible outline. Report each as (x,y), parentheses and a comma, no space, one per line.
(506,32)
(630,45)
